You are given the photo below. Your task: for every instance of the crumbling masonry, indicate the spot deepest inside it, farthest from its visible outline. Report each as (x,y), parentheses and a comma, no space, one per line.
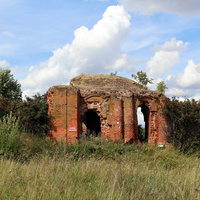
(105,105)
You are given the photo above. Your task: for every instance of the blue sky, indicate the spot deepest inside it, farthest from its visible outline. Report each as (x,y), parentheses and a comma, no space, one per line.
(47,43)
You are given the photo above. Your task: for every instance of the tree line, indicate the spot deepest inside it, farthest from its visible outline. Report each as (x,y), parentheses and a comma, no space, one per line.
(32,112)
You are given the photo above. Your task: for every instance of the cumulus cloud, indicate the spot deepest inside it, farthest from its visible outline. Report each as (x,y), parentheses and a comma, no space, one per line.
(178,92)
(191,76)
(92,51)
(162,61)
(147,7)
(4,63)
(183,93)
(185,84)
(165,57)
(172,45)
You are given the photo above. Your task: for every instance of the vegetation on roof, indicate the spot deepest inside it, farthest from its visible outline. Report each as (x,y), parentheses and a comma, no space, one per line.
(104,81)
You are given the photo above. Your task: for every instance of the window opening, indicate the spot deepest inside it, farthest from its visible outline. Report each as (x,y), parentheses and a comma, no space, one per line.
(143,118)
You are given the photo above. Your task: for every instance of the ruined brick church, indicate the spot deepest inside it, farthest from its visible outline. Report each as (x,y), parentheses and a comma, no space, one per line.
(105,106)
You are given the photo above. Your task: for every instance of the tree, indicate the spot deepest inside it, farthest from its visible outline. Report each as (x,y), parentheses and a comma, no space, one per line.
(183,119)
(9,87)
(142,78)
(113,73)
(33,114)
(161,87)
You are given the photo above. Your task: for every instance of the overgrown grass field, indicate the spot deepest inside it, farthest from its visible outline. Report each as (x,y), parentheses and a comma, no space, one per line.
(33,167)
(97,169)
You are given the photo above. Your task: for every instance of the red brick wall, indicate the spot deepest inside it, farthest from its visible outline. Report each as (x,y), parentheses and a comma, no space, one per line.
(118,115)
(156,124)
(164,134)
(73,125)
(130,121)
(57,100)
(117,131)
(100,106)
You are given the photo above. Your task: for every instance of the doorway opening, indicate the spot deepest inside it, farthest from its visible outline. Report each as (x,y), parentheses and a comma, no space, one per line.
(143,122)
(93,123)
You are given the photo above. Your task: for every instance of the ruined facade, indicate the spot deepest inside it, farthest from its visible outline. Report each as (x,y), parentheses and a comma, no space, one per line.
(105,105)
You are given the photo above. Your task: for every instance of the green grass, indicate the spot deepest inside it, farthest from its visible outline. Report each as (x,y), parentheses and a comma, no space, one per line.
(98,169)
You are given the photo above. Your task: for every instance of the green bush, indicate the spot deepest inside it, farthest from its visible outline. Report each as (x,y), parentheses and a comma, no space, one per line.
(11,139)
(184,123)
(32,113)
(141,133)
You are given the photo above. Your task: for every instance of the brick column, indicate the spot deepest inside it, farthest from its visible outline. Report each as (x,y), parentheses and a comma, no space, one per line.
(130,121)
(57,100)
(118,120)
(163,132)
(73,122)
(152,128)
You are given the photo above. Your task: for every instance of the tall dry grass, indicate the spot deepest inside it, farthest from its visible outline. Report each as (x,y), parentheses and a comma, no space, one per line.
(145,173)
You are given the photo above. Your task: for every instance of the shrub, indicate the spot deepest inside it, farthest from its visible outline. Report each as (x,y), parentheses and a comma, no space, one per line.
(11,140)
(184,120)
(141,133)
(4,107)
(32,113)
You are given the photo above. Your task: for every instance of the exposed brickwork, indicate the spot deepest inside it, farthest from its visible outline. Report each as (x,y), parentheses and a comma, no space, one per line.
(57,100)
(117,132)
(129,133)
(72,120)
(115,108)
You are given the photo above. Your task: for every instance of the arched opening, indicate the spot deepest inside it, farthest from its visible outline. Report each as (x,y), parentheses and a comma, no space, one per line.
(143,122)
(92,123)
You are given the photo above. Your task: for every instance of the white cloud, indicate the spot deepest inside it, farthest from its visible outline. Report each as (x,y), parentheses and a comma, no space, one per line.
(165,57)
(185,85)
(183,93)
(177,92)
(4,63)
(162,61)
(14,69)
(191,76)
(196,96)
(146,7)
(92,51)
(172,45)
(140,117)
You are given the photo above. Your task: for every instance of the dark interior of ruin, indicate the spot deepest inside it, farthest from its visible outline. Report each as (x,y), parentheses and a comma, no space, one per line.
(92,122)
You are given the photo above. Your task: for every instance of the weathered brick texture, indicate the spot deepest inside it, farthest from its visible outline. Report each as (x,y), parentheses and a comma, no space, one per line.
(72,120)
(117,132)
(57,100)
(130,133)
(114,101)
